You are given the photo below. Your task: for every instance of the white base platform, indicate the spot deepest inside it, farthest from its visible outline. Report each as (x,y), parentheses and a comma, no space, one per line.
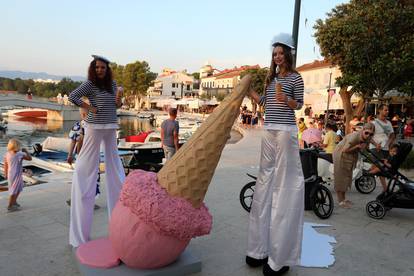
(185,265)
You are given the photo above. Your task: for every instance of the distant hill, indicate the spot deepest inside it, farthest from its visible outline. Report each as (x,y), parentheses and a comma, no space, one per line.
(36,75)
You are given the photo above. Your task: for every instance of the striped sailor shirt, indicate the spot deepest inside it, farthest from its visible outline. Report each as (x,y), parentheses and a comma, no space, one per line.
(103,100)
(279,113)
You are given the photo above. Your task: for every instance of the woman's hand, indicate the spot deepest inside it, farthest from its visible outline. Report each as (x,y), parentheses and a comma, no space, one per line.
(281,97)
(292,103)
(93,109)
(253,94)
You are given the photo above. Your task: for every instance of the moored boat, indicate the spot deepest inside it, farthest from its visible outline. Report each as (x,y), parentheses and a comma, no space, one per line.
(53,152)
(28,112)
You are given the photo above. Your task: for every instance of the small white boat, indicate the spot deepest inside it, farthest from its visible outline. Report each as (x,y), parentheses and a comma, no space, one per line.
(124,112)
(145,115)
(53,153)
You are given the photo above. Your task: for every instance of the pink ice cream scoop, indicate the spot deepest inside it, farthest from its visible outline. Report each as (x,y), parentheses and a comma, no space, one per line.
(149,228)
(157,214)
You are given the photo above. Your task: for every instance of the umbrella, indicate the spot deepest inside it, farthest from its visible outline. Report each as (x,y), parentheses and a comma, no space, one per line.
(312,135)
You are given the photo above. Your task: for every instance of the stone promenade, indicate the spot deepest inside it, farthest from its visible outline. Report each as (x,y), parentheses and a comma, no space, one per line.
(34,241)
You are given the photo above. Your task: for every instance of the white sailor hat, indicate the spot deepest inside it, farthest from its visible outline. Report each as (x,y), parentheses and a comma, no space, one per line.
(101,58)
(284,39)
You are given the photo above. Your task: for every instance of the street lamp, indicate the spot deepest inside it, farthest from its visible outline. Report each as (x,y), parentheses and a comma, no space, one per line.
(182,85)
(329,96)
(295,29)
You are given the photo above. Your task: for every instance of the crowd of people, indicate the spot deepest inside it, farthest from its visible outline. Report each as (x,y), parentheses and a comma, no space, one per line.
(377,133)
(250,119)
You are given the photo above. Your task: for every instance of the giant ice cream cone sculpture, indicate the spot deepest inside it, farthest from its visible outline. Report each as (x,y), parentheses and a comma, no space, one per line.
(157,214)
(189,172)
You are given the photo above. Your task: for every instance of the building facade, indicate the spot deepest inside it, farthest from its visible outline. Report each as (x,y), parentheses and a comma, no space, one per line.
(319,75)
(214,82)
(172,84)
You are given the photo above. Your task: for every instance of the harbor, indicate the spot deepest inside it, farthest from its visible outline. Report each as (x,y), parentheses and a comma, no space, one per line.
(37,244)
(187,140)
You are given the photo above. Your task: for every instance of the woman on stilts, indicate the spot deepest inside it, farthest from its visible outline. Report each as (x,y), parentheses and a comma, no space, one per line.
(100,127)
(276,217)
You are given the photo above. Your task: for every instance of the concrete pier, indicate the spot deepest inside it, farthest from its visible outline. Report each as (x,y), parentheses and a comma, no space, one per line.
(34,241)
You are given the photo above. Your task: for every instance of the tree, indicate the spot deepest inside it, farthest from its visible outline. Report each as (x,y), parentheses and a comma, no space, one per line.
(66,85)
(134,77)
(20,86)
(8,85)
(196,75)
(372,43)
(205,96)
(117,71)
(258,80)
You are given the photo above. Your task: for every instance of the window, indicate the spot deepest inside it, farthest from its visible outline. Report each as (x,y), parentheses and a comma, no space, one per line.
(173,85)
(173,93)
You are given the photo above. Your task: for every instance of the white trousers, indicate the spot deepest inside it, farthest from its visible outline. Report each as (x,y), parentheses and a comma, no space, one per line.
(276,217)
(84,181)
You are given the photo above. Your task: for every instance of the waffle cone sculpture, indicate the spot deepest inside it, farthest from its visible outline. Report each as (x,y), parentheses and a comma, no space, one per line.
(157,215)
(189,172)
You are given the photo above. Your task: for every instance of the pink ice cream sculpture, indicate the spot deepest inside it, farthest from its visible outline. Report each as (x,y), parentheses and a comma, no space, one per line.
(157,215)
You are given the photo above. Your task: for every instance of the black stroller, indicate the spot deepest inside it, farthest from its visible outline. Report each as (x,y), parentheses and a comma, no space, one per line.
(400,190)
(317,197)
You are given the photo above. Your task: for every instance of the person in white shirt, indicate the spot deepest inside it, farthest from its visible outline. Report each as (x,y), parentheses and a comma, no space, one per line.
(384,136)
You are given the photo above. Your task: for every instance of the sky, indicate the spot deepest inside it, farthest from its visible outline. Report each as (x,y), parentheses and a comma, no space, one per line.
(58,37)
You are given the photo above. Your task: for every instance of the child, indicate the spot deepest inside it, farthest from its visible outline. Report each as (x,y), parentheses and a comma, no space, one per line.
(13,169)
(393,151)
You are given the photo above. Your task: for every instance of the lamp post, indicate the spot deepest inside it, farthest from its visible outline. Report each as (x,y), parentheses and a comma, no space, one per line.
(295,29)
(329,96)
(182,85)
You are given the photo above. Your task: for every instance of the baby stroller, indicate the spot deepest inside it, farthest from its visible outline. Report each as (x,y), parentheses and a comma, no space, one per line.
(400,189)
(317,197)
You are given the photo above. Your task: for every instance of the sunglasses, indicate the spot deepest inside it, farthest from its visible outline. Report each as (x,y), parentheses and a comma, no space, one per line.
(368,133)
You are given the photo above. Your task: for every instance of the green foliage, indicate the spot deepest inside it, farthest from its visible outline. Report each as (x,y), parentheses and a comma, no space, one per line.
(21,86)
(134,77)
(409,161)
(220,96)
(7,84)
(66,85)
(258,78)
(196,75)
(41,89)
(205,96)
(372,42)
